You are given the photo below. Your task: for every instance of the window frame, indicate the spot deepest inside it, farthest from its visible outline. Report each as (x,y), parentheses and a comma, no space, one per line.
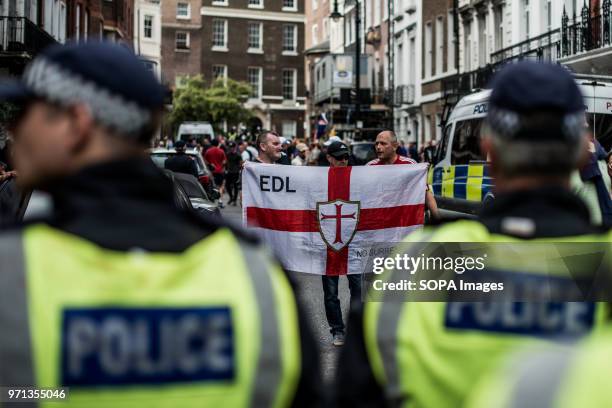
(144,26)
(187,40)
(259,82)
(181,16)
(259,5)
(255,50)
(293,86)
(290,8)
(294,50)
(216,47)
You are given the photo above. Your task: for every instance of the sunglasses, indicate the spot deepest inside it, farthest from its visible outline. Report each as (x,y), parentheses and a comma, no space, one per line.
(343,157)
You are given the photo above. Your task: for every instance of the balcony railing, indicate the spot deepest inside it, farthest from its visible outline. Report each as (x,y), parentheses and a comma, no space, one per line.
(591,31)
(463,84)
(546,47)
(20,35)
(404,94)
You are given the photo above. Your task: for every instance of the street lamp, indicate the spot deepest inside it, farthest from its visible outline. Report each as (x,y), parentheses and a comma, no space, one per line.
(335,15)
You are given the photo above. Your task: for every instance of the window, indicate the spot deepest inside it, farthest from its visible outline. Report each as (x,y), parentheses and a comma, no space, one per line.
(255,36)
(182,40)
(439,44)
(86,25)
(77,22)
(289,84)
(254,78)
(467,46)
(498,17)
(548,15)
(315,4)
(466,142)
(482,40)
(219,71)
(428,50)
(219,28)
(450,41)
(315,34)
(148,26)
(256,3)
(289,5)
(219,3)
(183,10)
(289,128)
(289,38)
(62,23)
(526,19)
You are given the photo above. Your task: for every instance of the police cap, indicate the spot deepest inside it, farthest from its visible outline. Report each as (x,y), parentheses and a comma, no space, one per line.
(527,88)
(121,93)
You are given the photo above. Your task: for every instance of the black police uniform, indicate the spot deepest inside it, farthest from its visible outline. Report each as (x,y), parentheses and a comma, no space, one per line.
(181,163)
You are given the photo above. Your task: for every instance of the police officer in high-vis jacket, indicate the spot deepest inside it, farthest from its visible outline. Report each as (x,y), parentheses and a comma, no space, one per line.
(118,295)
(551,377)
(430,354)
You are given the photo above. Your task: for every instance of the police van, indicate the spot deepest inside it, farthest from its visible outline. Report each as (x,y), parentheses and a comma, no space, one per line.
(460,179)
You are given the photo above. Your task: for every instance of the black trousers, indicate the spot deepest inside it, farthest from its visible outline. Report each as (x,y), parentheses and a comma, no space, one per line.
(333,312)
(231,182)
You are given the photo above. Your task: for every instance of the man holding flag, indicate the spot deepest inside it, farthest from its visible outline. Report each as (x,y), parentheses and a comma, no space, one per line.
(338,156)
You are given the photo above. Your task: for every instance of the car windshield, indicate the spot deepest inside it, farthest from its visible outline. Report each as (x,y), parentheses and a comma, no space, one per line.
(160,158)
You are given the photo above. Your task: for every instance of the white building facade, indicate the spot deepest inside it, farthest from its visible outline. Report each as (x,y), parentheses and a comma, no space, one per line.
(147,34)
(408,61)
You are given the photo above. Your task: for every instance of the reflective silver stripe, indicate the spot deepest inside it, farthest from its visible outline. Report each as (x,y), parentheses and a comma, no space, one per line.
(540,376)
(16,366)
(269,367)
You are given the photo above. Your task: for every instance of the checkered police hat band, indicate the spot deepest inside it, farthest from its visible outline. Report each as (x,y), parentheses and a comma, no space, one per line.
(52,82)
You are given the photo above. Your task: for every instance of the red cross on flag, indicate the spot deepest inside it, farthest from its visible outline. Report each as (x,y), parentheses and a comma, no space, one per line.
(323,220)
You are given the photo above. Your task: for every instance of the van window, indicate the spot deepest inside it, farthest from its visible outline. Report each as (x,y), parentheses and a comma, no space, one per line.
(441,154)
(601,126)
(466,142)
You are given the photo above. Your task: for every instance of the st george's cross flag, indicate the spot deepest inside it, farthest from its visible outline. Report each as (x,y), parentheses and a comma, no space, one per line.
(324,220)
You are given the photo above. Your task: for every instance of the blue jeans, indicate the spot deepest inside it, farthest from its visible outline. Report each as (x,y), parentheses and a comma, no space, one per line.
(333,312)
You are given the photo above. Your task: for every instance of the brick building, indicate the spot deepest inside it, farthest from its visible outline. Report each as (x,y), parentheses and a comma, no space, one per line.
(260,42)
(181,40)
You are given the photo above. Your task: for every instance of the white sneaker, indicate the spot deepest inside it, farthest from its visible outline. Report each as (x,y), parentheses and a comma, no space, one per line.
(338,339)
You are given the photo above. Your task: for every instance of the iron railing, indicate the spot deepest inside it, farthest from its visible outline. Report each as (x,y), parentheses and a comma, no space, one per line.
(592,30)
(465,83)
(546,47)
(20,35)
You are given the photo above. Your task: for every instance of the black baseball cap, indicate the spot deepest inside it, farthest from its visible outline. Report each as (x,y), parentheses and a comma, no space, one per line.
(527,87)
(108,77)
(337,149)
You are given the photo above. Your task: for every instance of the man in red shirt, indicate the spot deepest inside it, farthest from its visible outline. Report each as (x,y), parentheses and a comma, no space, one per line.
(215,156)
(386,148)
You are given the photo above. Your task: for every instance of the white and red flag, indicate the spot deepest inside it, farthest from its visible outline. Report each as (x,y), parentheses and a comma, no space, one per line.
(323,220)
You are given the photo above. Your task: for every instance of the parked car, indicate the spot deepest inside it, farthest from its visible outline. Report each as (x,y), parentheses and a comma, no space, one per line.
(189,194)
(362,152)
(205,177)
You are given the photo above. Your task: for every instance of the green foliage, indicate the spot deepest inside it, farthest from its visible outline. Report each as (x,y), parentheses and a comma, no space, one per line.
(221,101)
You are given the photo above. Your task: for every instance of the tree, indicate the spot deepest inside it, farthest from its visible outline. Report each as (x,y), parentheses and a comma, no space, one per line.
(222,101)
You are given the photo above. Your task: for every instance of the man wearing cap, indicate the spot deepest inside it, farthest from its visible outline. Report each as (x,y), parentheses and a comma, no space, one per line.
(119,296)
(180,162)
(285,158)
(431,354)
(338,156)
